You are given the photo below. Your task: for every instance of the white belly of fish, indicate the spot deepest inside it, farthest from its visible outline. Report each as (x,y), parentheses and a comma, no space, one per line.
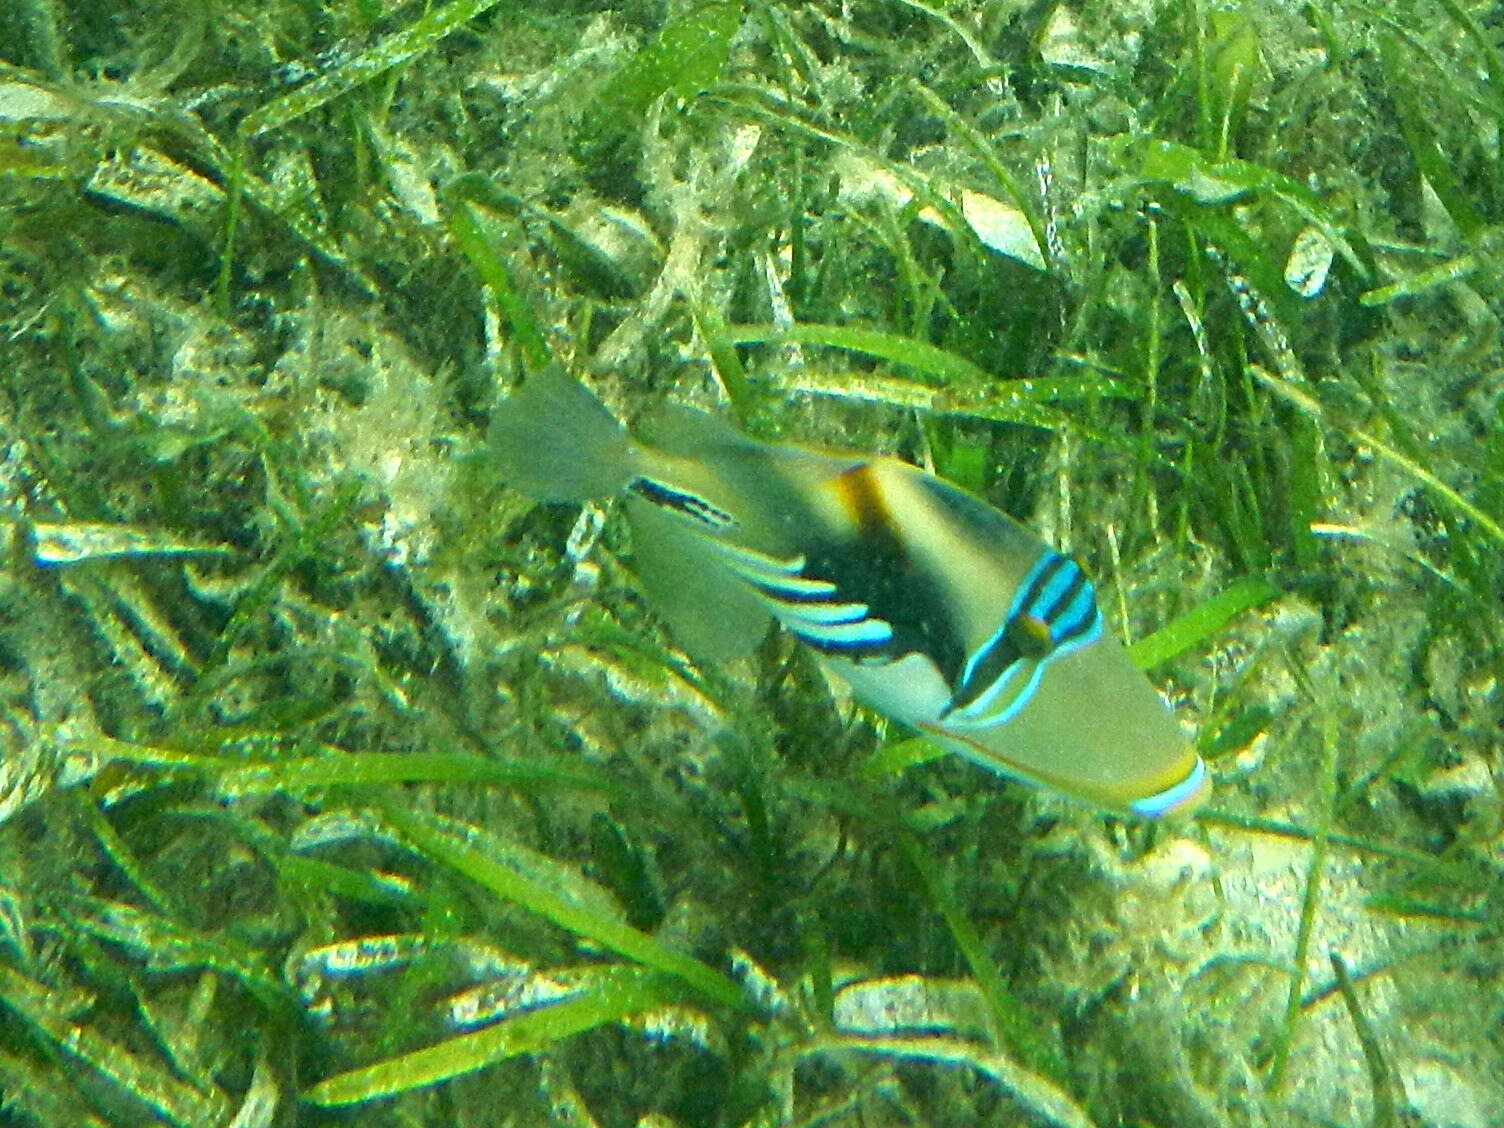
(909,690)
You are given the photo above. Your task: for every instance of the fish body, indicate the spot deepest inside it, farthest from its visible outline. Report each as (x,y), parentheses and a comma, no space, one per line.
(938,610)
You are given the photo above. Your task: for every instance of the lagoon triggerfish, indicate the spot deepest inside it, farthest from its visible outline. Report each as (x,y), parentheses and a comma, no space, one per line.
(938,610)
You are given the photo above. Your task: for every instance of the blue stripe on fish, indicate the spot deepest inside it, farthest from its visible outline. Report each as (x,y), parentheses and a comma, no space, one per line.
(748,561)
(849,640)
(1057,594)
(979,714)
(819,614)
(1170,798)
(777,579)
(793,589)
(1054,613)
(813,610)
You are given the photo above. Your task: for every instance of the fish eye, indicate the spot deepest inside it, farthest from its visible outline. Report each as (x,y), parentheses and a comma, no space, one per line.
(1030,636)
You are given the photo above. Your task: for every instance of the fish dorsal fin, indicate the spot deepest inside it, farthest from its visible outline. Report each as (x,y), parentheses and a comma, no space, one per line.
(711,613)
(688,432)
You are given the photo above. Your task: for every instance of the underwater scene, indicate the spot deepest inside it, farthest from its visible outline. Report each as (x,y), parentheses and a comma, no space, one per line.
(743,563)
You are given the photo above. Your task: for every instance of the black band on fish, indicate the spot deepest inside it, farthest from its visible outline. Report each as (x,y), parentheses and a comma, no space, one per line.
(704,513)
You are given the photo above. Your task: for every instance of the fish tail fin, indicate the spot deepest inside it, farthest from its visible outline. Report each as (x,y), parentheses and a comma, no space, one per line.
(553,440)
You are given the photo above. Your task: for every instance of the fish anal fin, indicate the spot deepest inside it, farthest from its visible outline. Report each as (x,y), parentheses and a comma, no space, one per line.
(711,613)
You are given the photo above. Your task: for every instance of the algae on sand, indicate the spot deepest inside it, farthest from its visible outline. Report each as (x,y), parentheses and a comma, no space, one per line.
(332,773)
